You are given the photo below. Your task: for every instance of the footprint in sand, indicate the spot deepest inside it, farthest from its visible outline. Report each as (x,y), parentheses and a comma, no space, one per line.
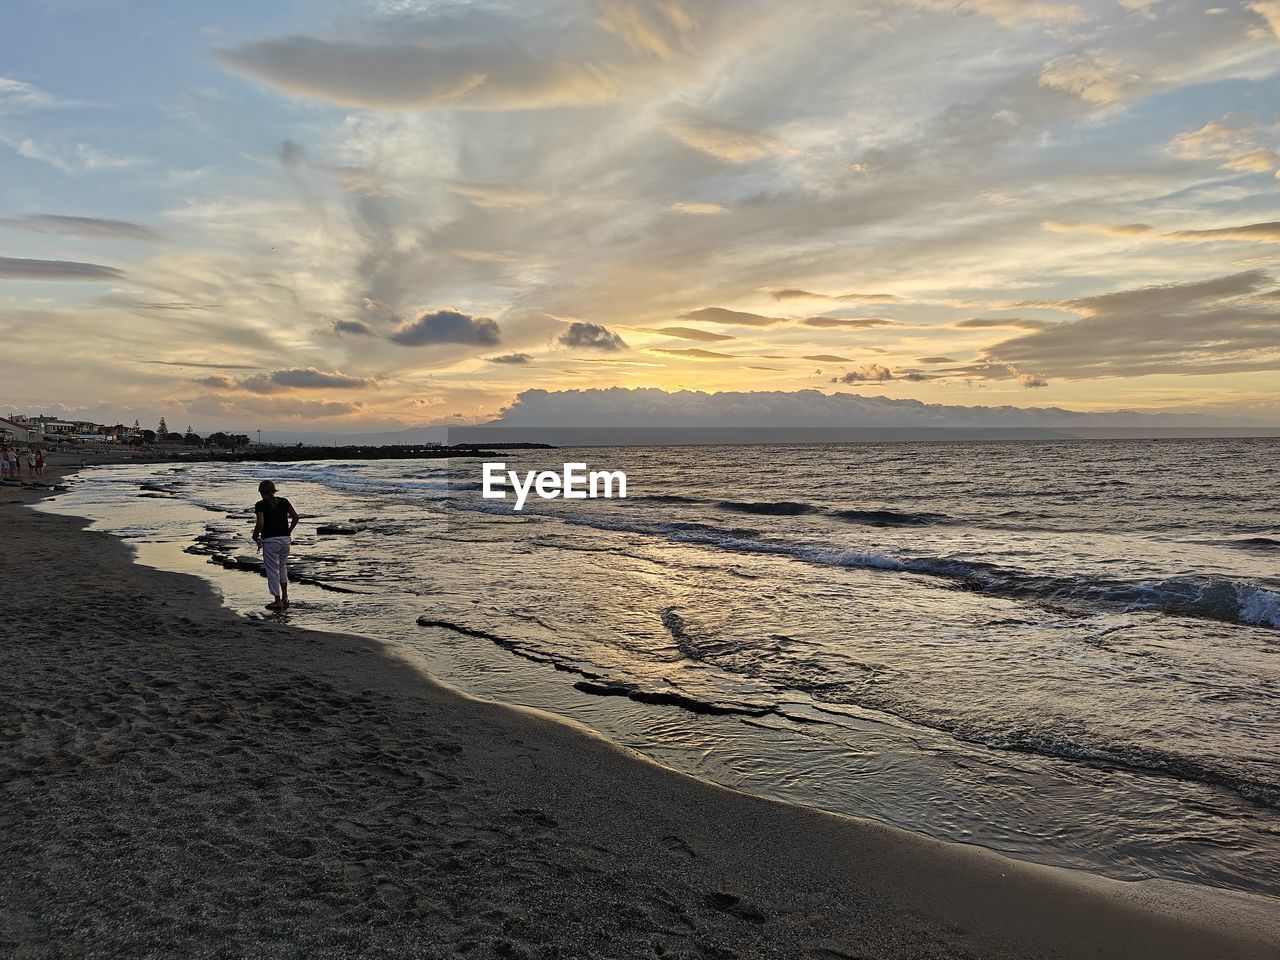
(732,904)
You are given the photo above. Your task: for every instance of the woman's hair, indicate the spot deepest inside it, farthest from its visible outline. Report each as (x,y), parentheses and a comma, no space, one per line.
(267,488)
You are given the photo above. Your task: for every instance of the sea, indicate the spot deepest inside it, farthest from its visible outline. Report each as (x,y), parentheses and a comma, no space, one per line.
(1066,651)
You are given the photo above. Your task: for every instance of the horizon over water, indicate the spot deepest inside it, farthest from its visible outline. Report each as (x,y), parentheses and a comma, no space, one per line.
(1068,651)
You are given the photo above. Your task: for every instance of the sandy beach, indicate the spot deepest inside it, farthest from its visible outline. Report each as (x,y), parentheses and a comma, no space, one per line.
(179,781)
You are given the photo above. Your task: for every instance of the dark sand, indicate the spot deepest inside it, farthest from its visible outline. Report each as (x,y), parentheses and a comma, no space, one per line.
(178,781)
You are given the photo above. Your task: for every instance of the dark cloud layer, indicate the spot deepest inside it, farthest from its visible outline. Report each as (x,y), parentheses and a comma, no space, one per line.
(1261,232)
(583,335)
(409,76)
(82,226)
(447,326)
(292,378)
(19,268)
(851,323)
(203,366)
(867,373)
(695,353)
(1208,326)
(354,328)
(650,407)
(692,333)
(984,323)
(731,317)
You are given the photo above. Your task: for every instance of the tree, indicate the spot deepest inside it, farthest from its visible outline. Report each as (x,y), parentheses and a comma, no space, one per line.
(163,429)
(137,427)
(191,438)
(148,436)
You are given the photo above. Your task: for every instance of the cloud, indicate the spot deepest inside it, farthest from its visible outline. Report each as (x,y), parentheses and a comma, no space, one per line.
(851,323)
(582,335)
(446,326)
(1255,161)
(731,317)
(231,409)
(1006,12)
(79,159)
(867,373)
(494,196)
(513,359)
(652,407)
(208,366)
(1234,148)
(1268,10)
(18,268)
(828,358)
(1225,324)
(692,333)
(1141,7)
(82,226)
(795,293)
(309,378)
(699,208)
(1090,77)
(792,293)
(1099,229)
(985,323)
(352,328)
(936,360)
(695,353)
(867,298)
(407,76)
(218,381)
(723,141)
(660,30)
(163,306)
(293,378)
(1030,381)
(17,96)
(1256,232)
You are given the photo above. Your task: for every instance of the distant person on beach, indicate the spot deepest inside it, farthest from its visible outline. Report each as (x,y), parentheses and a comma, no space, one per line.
(13,464)
(276,519)
(31,464)
(39,463)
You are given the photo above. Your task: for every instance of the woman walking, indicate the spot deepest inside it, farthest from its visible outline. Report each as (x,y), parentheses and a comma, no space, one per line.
(276,519)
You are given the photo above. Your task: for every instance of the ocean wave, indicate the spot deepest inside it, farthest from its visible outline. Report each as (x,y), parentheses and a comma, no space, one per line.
(779,508)
(1046,742)
(1216,598)
(890,518)
(1254,543)
(1137,757)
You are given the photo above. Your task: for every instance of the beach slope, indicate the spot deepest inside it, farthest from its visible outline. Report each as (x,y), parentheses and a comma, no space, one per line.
(178,781)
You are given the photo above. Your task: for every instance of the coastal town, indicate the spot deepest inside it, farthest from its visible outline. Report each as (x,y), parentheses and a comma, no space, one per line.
(26,430)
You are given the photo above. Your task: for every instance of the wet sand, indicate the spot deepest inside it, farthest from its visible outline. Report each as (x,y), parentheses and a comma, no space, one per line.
(179,781)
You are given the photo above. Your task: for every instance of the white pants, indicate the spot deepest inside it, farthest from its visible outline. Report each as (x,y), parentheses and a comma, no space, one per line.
(275,557)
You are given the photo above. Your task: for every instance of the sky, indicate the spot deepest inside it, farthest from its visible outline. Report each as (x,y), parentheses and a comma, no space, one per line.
(390,213)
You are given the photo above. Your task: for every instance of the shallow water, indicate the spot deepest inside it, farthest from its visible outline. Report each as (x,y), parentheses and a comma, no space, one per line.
(1066,651)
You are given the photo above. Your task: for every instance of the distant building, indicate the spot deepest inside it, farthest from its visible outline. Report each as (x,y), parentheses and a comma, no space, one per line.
(14,431)
(54,429)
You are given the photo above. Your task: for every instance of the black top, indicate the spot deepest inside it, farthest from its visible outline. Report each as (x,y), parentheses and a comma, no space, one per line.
(275,517)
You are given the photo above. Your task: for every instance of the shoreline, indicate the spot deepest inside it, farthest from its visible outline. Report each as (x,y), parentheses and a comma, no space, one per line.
(185,781)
